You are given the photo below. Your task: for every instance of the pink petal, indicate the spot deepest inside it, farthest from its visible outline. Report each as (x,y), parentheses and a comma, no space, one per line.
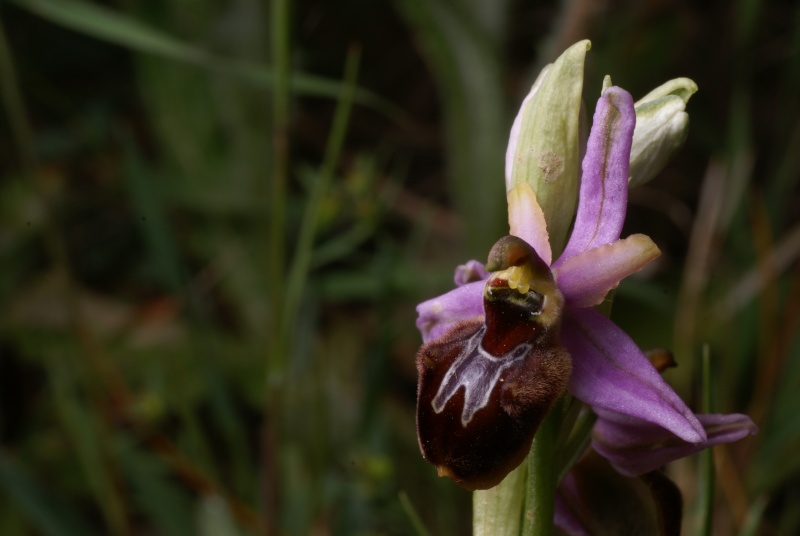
(526,220)
(611,372)
(439,315)
(636,447)
(586,278)
(604,183)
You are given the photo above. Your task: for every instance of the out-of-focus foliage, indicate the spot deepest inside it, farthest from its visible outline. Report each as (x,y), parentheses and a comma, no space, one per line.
(138,386)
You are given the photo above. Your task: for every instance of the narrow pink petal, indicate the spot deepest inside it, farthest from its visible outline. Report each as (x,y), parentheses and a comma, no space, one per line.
(586,278)
(610,372)
(439,315)
(604,183)
(526,220)
(636,447)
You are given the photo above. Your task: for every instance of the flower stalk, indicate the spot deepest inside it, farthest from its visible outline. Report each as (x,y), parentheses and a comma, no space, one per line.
(543,476)
(496,511)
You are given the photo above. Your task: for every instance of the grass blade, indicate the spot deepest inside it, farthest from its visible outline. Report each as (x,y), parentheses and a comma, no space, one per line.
(705,504)
(49,516)
(413,516)
(754,517)
(462,48)
(156,495)
(303,252)
(108,25)
(117,28)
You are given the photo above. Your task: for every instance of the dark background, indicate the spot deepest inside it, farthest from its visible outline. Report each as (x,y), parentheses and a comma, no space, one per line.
(154,379)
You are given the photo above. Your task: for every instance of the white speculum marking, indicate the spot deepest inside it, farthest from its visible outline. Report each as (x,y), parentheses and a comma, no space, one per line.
(478,371)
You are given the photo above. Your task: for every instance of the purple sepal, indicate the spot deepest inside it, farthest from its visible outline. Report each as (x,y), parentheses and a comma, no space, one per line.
(635,447)
(610,372)
(439,315)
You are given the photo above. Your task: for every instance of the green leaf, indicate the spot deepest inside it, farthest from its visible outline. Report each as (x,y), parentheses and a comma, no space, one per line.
(89,441)
(108,25)
(119,29)
(301,261)
(462,46)
(45,512)
(154,491)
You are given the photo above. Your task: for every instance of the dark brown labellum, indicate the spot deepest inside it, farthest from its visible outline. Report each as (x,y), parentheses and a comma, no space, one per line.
(485,386)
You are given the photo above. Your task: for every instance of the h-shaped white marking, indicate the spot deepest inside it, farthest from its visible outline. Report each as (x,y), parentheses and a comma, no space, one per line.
(478,371)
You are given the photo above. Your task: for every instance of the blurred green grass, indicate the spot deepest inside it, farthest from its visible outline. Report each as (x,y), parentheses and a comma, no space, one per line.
(142,318)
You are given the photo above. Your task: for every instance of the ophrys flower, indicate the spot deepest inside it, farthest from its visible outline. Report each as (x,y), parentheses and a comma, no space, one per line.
(472,426)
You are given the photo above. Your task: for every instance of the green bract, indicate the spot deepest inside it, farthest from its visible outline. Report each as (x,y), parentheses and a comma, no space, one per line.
(661,128)
(546,153)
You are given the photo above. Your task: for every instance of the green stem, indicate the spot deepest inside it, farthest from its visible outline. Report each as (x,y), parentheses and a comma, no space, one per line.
(573,448)
(542,477)
(301,262)
(276,245)
(496,511)
(413,516)
(706,492)
(280,166)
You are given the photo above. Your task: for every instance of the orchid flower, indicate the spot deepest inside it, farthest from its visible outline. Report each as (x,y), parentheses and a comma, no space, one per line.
(467,356)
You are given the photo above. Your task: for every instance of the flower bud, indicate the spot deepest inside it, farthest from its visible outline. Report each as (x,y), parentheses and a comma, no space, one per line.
(661,128)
